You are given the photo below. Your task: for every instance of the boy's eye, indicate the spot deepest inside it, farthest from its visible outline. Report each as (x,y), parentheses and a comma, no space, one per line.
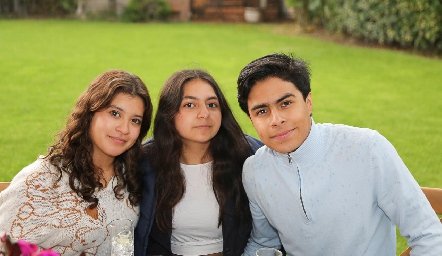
(189,105)
(115,113)
(286,103)
(261,111)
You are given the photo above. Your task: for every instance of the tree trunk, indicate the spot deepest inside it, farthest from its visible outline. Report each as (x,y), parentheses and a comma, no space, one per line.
(80,9)
(305,14)
(17,7)
(113,5)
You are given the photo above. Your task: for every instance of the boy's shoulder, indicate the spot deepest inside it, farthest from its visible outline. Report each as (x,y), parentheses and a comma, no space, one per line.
(342,127)
(345,130)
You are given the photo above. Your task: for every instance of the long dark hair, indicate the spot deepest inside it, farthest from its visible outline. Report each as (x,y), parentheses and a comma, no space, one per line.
(71,154)
(228,149)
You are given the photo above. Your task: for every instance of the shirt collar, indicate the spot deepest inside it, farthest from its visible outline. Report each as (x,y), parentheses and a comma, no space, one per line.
(310,151)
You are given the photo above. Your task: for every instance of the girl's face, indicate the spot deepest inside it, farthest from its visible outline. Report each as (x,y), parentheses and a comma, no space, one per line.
(199,117)
(116,128)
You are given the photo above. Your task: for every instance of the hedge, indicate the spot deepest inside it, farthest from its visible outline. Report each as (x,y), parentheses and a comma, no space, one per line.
(413,24)
(146,10)
(43,8)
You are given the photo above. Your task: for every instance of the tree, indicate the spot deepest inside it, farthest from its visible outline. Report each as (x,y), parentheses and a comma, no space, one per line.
(80,9)
(113,5)
(18,7)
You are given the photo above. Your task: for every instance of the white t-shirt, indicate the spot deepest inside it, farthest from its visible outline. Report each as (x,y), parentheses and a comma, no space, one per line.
(195,219)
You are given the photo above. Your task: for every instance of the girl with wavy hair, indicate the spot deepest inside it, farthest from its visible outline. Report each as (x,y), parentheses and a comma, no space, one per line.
(90,176)
(193,201)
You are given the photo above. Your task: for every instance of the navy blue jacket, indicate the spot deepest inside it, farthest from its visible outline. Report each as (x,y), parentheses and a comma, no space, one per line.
(149,240)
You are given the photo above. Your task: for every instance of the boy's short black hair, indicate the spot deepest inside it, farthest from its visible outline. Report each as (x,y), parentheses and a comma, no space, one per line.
(280,65)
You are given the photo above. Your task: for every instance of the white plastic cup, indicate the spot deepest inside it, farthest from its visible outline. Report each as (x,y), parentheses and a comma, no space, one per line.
(122,237)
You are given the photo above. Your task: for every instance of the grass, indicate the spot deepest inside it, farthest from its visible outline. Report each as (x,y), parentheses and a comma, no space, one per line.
(46,64)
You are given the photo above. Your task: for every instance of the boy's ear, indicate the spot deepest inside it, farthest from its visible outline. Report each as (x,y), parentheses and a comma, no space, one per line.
(309,102)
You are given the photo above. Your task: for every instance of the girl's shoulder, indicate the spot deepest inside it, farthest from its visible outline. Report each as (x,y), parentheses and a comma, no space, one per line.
(254,143)
(41,173)
(41,166)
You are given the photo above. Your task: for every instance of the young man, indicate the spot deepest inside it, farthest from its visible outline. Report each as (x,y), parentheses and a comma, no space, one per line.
(324,189)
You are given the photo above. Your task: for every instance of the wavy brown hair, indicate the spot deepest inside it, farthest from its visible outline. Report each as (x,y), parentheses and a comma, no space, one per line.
(228,149)
(72,152)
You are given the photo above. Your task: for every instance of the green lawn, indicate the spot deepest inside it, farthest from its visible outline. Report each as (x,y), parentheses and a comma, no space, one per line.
(46,64)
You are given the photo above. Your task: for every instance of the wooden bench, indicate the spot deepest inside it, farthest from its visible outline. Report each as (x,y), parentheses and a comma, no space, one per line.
(435,200)
(3,185)
(432,195)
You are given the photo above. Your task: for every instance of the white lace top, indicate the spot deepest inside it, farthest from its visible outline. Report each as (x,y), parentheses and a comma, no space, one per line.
(53,216)
(195,219)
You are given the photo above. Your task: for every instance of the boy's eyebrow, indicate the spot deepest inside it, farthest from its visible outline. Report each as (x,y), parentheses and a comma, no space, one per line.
(285,96)
(259,106)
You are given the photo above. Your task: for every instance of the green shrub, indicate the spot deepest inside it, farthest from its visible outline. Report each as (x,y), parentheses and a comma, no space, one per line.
(146,10)
(408,23)
(45,8)
(104,15)
(67,6)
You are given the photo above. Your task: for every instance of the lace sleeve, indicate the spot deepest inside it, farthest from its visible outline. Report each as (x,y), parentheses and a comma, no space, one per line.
(28,207)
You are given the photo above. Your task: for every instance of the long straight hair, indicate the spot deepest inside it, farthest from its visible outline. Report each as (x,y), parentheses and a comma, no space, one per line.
(228,149)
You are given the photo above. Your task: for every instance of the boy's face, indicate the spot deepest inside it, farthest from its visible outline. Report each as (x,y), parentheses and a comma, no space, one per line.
(280,114)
